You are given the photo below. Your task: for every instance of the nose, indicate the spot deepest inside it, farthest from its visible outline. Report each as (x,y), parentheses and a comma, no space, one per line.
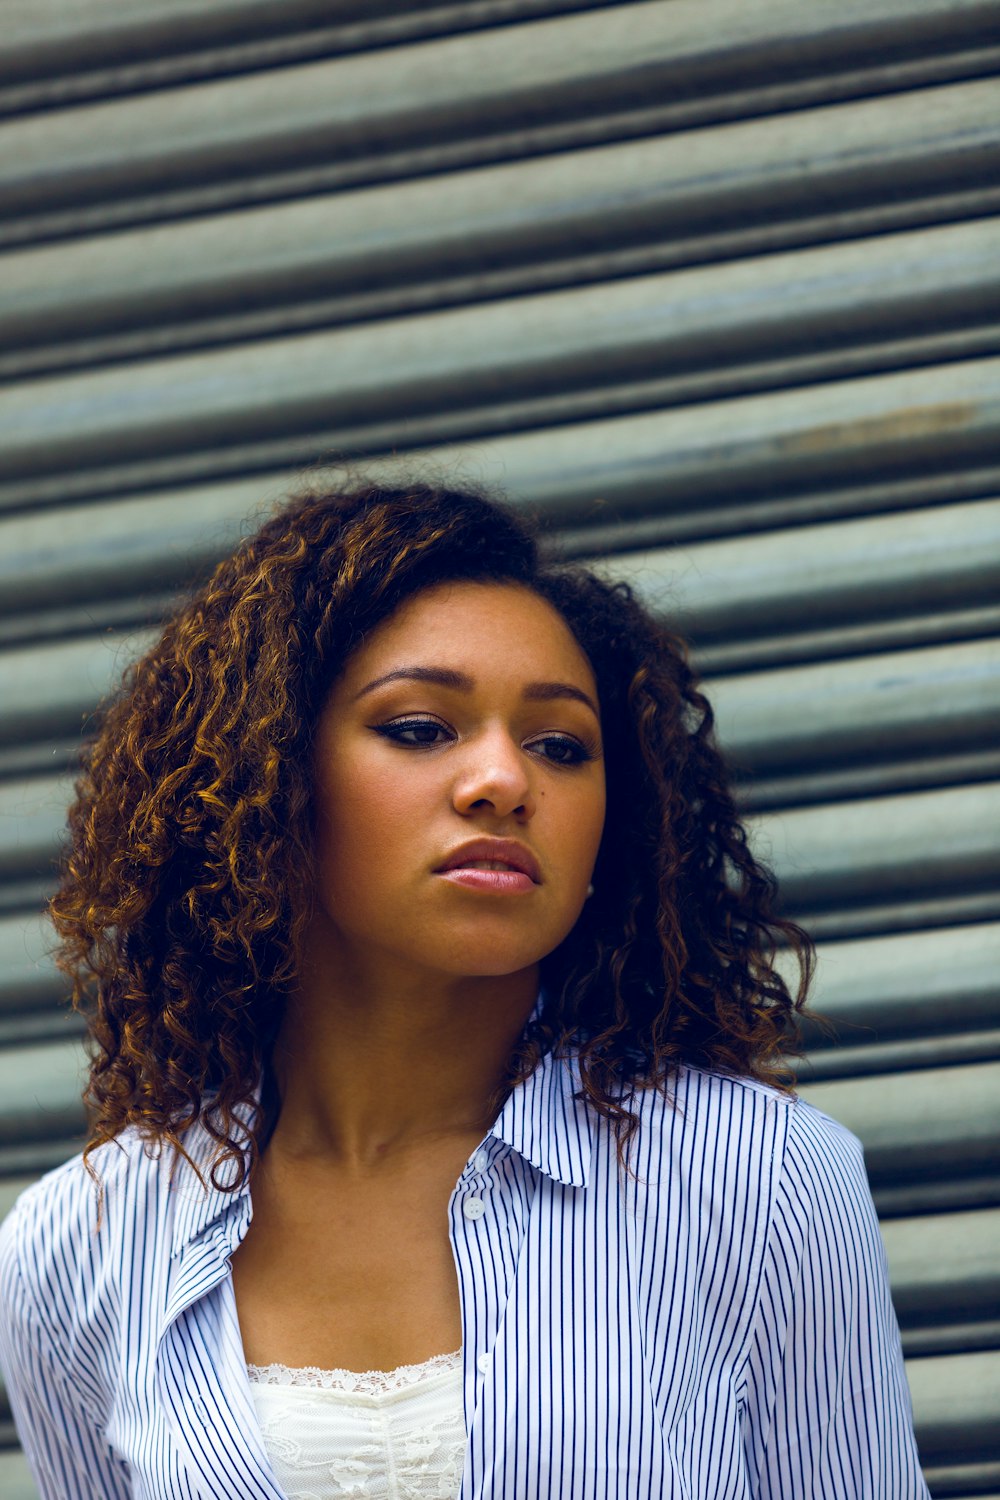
(496,774)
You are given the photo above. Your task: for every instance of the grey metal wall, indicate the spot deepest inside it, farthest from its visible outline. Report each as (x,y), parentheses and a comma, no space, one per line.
(718,287)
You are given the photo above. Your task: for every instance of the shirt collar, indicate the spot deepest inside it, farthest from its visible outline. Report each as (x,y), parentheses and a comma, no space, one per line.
(197,1207)
(546,1124)
(541,1120)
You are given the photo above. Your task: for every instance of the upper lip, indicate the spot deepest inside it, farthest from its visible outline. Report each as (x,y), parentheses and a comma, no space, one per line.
(505,851)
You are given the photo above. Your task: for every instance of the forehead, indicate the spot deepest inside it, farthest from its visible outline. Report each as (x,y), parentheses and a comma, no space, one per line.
(481,628)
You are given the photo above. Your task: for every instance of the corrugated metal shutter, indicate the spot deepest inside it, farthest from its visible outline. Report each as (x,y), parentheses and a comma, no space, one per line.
(718,287)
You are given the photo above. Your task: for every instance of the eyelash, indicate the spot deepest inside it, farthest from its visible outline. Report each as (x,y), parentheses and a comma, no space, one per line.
(397,727)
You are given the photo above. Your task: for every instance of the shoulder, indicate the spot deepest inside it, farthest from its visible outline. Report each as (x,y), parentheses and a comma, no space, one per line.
(61,1207)
(750,1151)
(63,1243)
(824,1204)
(820,1148)
(72,1201)
(705,1161)
(697,1108)
(758,1152)
(744,1115)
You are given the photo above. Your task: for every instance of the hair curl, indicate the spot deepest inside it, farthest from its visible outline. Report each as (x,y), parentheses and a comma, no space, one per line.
(186,882)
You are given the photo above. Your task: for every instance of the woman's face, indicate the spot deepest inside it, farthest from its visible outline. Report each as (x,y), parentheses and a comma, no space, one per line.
(470,714)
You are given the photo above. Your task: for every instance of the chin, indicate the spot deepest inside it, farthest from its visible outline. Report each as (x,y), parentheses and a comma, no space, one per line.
(483,944)
(486,967)
(485,957)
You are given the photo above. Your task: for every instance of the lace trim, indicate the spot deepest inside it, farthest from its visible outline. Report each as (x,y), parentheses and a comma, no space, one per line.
(364,1382)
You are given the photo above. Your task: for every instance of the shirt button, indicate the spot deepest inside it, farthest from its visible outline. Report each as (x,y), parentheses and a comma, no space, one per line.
(483,1363)
(480,1161)
(473,1208)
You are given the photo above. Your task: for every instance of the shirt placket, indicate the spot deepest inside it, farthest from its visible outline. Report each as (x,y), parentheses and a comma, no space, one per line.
(488,1213)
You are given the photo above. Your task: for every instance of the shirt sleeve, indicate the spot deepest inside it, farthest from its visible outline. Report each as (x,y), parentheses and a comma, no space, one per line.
(62,1439)
(828,1412)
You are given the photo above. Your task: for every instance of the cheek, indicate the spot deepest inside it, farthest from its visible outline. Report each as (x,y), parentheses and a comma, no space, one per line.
(587,819)
(366,815)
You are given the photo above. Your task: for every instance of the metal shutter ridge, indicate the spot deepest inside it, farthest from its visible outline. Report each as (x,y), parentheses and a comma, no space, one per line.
(716,288)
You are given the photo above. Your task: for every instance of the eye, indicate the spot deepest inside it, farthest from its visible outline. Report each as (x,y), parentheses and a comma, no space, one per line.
(563,751)
(424,732)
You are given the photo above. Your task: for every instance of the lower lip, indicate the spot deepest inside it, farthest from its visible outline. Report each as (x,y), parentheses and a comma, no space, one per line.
(497,881)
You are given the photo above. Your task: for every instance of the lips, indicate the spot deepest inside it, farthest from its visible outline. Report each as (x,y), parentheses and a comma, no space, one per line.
(507,852)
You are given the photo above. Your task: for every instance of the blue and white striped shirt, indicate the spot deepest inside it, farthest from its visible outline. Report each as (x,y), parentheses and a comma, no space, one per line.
(719,1328)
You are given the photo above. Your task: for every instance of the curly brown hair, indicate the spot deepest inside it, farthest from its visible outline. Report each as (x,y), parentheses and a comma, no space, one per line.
(186,882)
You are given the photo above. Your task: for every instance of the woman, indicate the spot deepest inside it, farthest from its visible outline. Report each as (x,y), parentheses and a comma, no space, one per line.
(439,1117)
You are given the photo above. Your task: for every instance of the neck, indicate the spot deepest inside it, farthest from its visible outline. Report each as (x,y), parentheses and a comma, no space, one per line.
(374,1060)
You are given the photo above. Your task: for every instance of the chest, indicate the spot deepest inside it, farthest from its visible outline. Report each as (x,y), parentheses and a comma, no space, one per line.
(348,1273)
(586,1368)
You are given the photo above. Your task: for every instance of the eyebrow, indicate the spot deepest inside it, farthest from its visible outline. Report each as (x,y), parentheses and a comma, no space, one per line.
(535,692)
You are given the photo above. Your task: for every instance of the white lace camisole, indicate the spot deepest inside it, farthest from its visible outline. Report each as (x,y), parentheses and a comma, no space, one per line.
(382,1435)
